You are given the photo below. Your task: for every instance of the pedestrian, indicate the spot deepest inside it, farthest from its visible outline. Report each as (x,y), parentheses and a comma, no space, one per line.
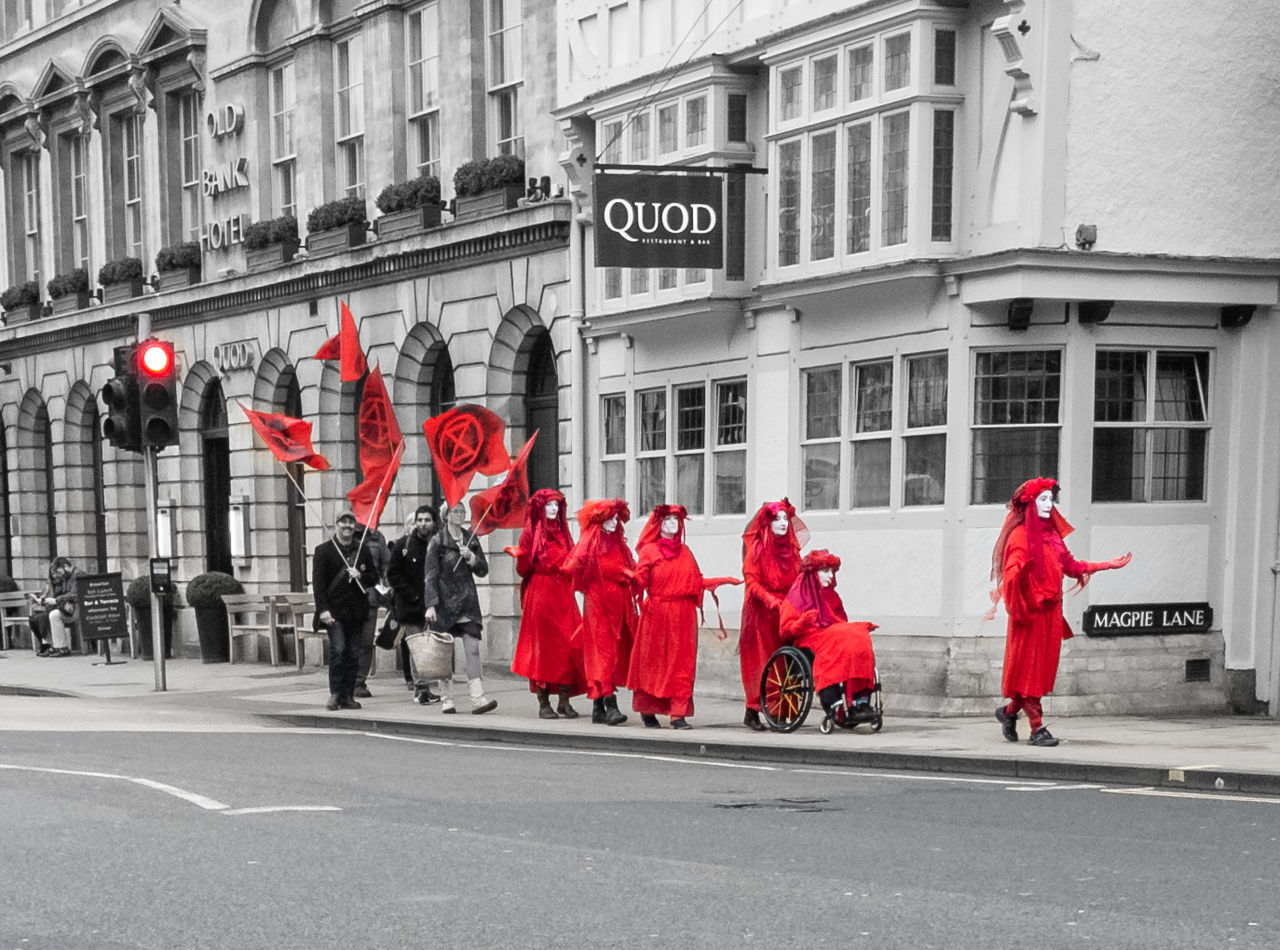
(770,563)
(55,609)
(454,560)
(549,646)
(342,572)
(813,617)
(604,570)
(407,575)
(665,655)
(379,596)
(1028,563)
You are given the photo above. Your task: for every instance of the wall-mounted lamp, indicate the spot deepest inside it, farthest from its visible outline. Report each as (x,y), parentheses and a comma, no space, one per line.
(1237,315)
(1019,314)
(1094,311)
(1086,236)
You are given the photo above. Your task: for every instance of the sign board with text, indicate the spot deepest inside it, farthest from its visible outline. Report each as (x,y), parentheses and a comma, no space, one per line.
(652,220)
(1118,620)
(101,606)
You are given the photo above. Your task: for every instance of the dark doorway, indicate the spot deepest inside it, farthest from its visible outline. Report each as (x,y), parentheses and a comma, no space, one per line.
(296,505)
(6,539)
(442,398)
(541,413)
(44,438)
(217,480)
(99,490)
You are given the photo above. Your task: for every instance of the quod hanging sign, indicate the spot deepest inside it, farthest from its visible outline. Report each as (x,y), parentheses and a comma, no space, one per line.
(647,220)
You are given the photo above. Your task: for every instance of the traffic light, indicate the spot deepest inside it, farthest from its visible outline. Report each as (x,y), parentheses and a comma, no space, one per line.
(158,393)
(120,394)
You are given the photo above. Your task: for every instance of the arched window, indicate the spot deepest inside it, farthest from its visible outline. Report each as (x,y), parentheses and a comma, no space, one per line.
(296,511)
(44,456)
(442,398)
(217,479)
(6,541)
(541,412)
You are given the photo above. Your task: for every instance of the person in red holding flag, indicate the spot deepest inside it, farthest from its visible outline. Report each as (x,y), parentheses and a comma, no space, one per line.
(604,570)
(665,655)
(812,616)
(770,563)
(549,647)
(1029,561)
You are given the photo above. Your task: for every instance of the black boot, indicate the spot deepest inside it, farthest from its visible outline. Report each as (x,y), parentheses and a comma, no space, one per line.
(563,708)
(613,716)
(752,720)
(597,711)
(544,705)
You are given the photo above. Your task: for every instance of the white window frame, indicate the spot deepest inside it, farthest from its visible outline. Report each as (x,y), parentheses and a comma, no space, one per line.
(284,149)
(504,70)
(348,104)
(422,56)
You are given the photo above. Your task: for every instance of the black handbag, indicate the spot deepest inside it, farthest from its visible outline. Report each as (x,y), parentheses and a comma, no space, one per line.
(386,638)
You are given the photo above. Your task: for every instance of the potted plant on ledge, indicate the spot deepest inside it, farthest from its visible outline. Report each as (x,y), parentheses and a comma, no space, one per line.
(408,207)
(270,243)
(21,302)
(204,594)
(120,279)
(488,185)
(69,291)
(336,225)
(178,265)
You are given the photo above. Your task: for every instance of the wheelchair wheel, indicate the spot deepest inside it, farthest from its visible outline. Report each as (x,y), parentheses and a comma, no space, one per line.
(786,689)
(826,726)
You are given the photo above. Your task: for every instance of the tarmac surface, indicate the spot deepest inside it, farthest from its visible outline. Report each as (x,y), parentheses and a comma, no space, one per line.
(1199,753)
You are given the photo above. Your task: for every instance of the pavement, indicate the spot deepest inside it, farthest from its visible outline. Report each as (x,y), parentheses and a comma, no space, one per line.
(1197,753)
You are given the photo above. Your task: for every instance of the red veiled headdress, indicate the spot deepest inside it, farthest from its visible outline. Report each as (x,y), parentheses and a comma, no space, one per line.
(1022,511)
(807,591)
(536,526)
(760,530)
(594,540)
(652,532)
(598,511)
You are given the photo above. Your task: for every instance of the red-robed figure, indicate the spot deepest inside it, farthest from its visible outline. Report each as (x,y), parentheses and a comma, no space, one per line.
(549,648)
(1029,562)
(812,616)
(605,571)
(665,654)
(770,563)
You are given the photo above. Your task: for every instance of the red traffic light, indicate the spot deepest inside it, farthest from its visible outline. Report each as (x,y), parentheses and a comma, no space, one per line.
(155,359)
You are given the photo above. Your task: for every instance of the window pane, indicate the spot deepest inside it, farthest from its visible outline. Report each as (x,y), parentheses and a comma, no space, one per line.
(668,136)
(737,118)
(944,57)
(612,283)
(1119,464)
(822,403)
(652,475)
(1180,386)
(667,278)
(612,143)
(924,476)
(789,85)
(860,63)
(615,479)
(943,166)
(822,476)
(859,172)
(1120,387)
(927,391)
(897,61)
(695,122)
(1177,464)
(640,138)
(689,481)
(639,280)
(871,474)
(731,483)
(1017,387)
(873,411)
(895,143)
(824,83)
(731,413)
(691,418)
(823,206)
(653,420)
(789,204)
(1005,458)
(613,413)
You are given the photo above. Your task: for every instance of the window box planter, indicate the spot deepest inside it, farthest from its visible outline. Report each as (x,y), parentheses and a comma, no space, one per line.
(400,224)
(492,201)
(273,255)
(21,302)
(176,279)
(125,290)
(69,303)
(22,313)
(336,239)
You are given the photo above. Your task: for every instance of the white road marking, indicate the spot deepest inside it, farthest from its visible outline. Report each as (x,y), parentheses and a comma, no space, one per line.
(264,809)
(1171,793)
(1049,788)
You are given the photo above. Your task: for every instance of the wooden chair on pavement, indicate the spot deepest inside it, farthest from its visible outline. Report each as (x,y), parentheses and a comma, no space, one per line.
(251,615)
(15,610)
(293,619)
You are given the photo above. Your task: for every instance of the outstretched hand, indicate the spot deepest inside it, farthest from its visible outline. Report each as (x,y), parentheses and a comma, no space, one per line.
(512,550)
(1117,562)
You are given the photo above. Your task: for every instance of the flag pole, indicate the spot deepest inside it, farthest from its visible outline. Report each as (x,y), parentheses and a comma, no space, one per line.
(390,468)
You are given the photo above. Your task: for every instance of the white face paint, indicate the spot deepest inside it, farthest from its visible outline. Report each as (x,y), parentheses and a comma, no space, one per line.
(780,523)
(610,524)
(670,526)
(553,510)
(1044,503)
(826,576)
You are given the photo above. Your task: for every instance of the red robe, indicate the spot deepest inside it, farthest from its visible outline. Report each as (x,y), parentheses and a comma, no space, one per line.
(841,651)
(608,616)
(1034,602)
(665,654)
(769,569)
(549,648)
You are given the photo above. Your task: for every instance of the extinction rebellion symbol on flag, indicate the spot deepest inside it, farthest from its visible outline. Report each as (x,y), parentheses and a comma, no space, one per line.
(646,220)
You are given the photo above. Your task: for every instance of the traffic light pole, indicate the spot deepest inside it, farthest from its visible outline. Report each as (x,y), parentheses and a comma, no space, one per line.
(149,453)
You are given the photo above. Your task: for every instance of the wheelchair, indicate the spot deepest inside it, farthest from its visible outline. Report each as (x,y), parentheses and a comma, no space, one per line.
(786,696)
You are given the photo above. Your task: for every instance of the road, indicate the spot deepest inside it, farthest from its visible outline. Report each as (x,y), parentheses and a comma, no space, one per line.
(218,832)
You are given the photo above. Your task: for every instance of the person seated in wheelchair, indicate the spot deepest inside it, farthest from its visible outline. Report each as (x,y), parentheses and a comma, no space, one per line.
(813,618)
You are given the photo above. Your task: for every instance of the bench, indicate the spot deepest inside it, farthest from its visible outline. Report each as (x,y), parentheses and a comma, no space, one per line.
(15,610)
(292,619)
(251,615)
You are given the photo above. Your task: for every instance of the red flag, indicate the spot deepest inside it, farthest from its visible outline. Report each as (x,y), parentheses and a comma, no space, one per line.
(504,505)
(381,445)
(288,439)
(465,440)
(345,348)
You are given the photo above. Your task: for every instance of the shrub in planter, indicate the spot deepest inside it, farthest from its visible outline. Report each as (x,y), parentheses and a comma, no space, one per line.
(184,256)
(20,296)
(74,282)
(204,594)
(409,195)
(503,170)
(337,214)
(489,184)
(122,271)
(138,596)
(468,178)
(7,584)
(282,230)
